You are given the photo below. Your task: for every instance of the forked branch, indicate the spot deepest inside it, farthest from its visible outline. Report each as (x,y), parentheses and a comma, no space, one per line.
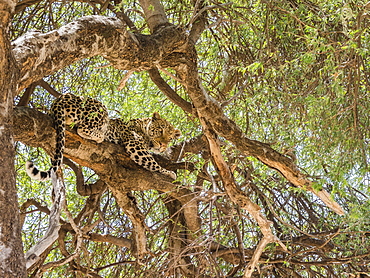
(52,233)
(240,198)
(214,119)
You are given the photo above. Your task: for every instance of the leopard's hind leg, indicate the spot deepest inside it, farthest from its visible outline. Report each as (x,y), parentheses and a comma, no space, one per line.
(94,120)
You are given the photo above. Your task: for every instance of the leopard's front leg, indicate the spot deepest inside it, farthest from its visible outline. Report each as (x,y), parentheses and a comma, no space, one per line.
(138,153)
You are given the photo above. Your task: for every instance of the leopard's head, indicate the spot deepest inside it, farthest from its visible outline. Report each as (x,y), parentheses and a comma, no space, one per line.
(161,133)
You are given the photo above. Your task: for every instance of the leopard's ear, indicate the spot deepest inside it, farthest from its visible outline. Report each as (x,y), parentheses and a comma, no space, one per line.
(177,134)
(156,116)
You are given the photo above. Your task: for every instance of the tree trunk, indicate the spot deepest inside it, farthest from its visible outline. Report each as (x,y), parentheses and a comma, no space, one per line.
(12,262)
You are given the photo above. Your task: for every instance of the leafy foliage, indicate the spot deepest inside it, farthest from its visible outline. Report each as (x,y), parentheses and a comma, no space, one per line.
(294,74)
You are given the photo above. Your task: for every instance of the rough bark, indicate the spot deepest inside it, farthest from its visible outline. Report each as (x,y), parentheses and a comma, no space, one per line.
(108,160)
(39,55)
(12,262)
(215,119)
(240,198)
(237,196)
(42,54)
(154,14)
(51,235)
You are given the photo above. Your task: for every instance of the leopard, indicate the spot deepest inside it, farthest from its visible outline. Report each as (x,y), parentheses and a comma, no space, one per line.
(89,117)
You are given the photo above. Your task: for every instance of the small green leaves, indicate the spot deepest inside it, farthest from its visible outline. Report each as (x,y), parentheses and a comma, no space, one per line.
(317,186)
(255,68)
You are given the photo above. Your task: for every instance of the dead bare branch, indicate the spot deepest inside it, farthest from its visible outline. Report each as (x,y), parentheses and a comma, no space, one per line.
(51,235)
(215,119)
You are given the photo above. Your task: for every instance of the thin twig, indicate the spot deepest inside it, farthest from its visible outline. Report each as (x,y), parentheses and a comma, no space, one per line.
(123,81)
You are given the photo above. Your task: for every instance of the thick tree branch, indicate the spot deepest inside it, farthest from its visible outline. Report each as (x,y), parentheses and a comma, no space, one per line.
(198,21)
(240,198)
(12,256)
(39,55)
(108,160)
(154,14)
(42,54)
(169,92)
(26,95)
(216,120)
(128,203)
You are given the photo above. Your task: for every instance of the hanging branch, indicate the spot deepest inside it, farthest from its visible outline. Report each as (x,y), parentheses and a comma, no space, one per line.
(128,203)
(168,91)
(216,120)
(241,199)
(52,233)
(79,237)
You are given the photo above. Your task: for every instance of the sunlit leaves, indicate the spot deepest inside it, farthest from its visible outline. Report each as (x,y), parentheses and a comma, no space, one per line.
(292,74)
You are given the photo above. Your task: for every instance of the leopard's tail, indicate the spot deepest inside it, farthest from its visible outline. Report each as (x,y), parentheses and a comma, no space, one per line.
(31,169)
(36,174)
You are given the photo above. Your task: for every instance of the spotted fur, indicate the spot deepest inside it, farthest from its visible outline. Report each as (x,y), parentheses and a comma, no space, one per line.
(90,118)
